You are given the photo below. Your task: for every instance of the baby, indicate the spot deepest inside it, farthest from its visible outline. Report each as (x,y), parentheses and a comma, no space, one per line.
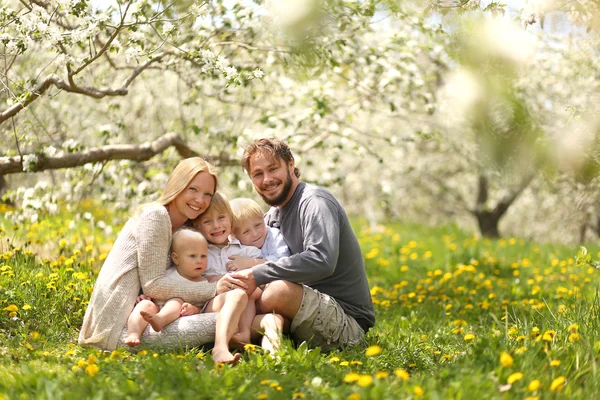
(190,256)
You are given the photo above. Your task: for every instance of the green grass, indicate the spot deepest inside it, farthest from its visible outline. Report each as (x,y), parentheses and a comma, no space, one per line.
(448,305)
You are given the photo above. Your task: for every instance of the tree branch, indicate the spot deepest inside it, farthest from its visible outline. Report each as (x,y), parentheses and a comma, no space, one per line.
(97,93)
(141,152)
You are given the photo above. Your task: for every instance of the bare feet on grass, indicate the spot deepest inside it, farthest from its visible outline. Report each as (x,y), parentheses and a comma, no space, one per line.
(154,320)
(132,340)
(225,357)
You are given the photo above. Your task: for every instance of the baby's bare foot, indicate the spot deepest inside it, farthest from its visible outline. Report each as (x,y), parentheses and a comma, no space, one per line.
(153,319)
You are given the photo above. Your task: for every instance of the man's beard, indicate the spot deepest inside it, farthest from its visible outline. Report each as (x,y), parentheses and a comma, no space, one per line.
(285,191)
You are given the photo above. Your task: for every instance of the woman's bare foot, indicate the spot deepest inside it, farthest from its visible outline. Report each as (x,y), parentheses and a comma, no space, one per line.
(225,357)
(132,340)
(154,320)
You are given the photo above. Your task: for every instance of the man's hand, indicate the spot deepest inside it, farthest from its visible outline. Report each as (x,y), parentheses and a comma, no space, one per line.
(247,277)
(188,309)
(237,263)
(229,282)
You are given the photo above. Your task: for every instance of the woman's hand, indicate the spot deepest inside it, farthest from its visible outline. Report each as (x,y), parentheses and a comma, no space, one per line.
(228,282)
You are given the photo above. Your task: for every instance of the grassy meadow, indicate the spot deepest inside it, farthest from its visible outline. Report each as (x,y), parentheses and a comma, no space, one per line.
(457,317)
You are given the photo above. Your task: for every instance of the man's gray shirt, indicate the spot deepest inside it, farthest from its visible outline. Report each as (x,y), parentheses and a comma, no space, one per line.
(325,252)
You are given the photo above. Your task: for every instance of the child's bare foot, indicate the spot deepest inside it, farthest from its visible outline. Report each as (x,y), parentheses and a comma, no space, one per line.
(153,319)
(239,340)
(225,357)
(132,340)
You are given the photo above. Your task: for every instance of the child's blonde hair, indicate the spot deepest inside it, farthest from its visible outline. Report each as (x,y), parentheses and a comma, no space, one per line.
(244,209)
(218,204)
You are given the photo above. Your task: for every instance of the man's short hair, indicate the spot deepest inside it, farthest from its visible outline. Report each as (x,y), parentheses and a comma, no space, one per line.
(245,209)
(273,147)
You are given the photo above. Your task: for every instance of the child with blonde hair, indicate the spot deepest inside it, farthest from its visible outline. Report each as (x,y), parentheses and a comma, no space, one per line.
(216,224)
(250,229)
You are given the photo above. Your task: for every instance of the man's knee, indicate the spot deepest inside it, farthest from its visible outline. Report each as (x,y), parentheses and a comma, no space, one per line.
(280,296)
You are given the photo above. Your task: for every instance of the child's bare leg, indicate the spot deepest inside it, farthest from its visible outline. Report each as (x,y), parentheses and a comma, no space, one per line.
(136,324)
(243,334)
(230,306)
(271,326)
(166,315)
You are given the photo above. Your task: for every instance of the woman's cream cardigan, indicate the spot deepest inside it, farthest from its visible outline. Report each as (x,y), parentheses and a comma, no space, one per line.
(138,260)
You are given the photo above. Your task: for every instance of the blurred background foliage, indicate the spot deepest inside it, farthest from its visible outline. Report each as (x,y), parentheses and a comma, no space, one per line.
(482,114)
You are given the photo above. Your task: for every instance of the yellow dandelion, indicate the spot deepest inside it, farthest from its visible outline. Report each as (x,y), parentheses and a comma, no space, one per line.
(531,398)
(558,384)
(354,396)
(74,368)
(418,391)
(469,337)
(534,385)
(69,353)
(356,363)
(34,336)
(381,375)
(334,359)
(265,381)
(298,395)
(11,308)
(506,360)
(262,396)
(249,347)
(548,336)
(554,363)
(26,306)
(373,351)
(574,337)
(351,377)
(517,376)
(92,369)
(365,381)
(402,374)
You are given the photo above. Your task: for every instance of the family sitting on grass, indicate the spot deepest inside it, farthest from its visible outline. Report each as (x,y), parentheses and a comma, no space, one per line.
(198,261)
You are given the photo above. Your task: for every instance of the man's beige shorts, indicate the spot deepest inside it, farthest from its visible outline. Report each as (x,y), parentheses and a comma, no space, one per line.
(322,322)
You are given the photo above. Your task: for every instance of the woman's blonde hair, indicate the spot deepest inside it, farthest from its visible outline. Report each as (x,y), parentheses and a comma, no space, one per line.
(244,209)
(182,175)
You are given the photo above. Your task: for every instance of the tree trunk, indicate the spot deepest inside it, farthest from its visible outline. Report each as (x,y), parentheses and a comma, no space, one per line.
(488,220)
(488,224)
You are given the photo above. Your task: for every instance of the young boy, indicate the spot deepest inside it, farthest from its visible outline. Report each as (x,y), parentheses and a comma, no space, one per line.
(190,255)
(216,225)
(250,229)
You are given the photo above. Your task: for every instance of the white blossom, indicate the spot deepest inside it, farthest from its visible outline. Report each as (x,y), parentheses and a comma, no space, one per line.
(49,151)
(29,162)
(258,73)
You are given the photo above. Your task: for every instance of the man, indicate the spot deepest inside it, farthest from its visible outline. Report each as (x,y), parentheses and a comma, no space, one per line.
(321,290)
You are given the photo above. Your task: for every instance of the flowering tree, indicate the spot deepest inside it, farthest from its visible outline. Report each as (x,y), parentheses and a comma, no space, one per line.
(114,96)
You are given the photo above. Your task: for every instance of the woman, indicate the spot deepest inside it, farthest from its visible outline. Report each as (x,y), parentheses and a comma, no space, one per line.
(139,259)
